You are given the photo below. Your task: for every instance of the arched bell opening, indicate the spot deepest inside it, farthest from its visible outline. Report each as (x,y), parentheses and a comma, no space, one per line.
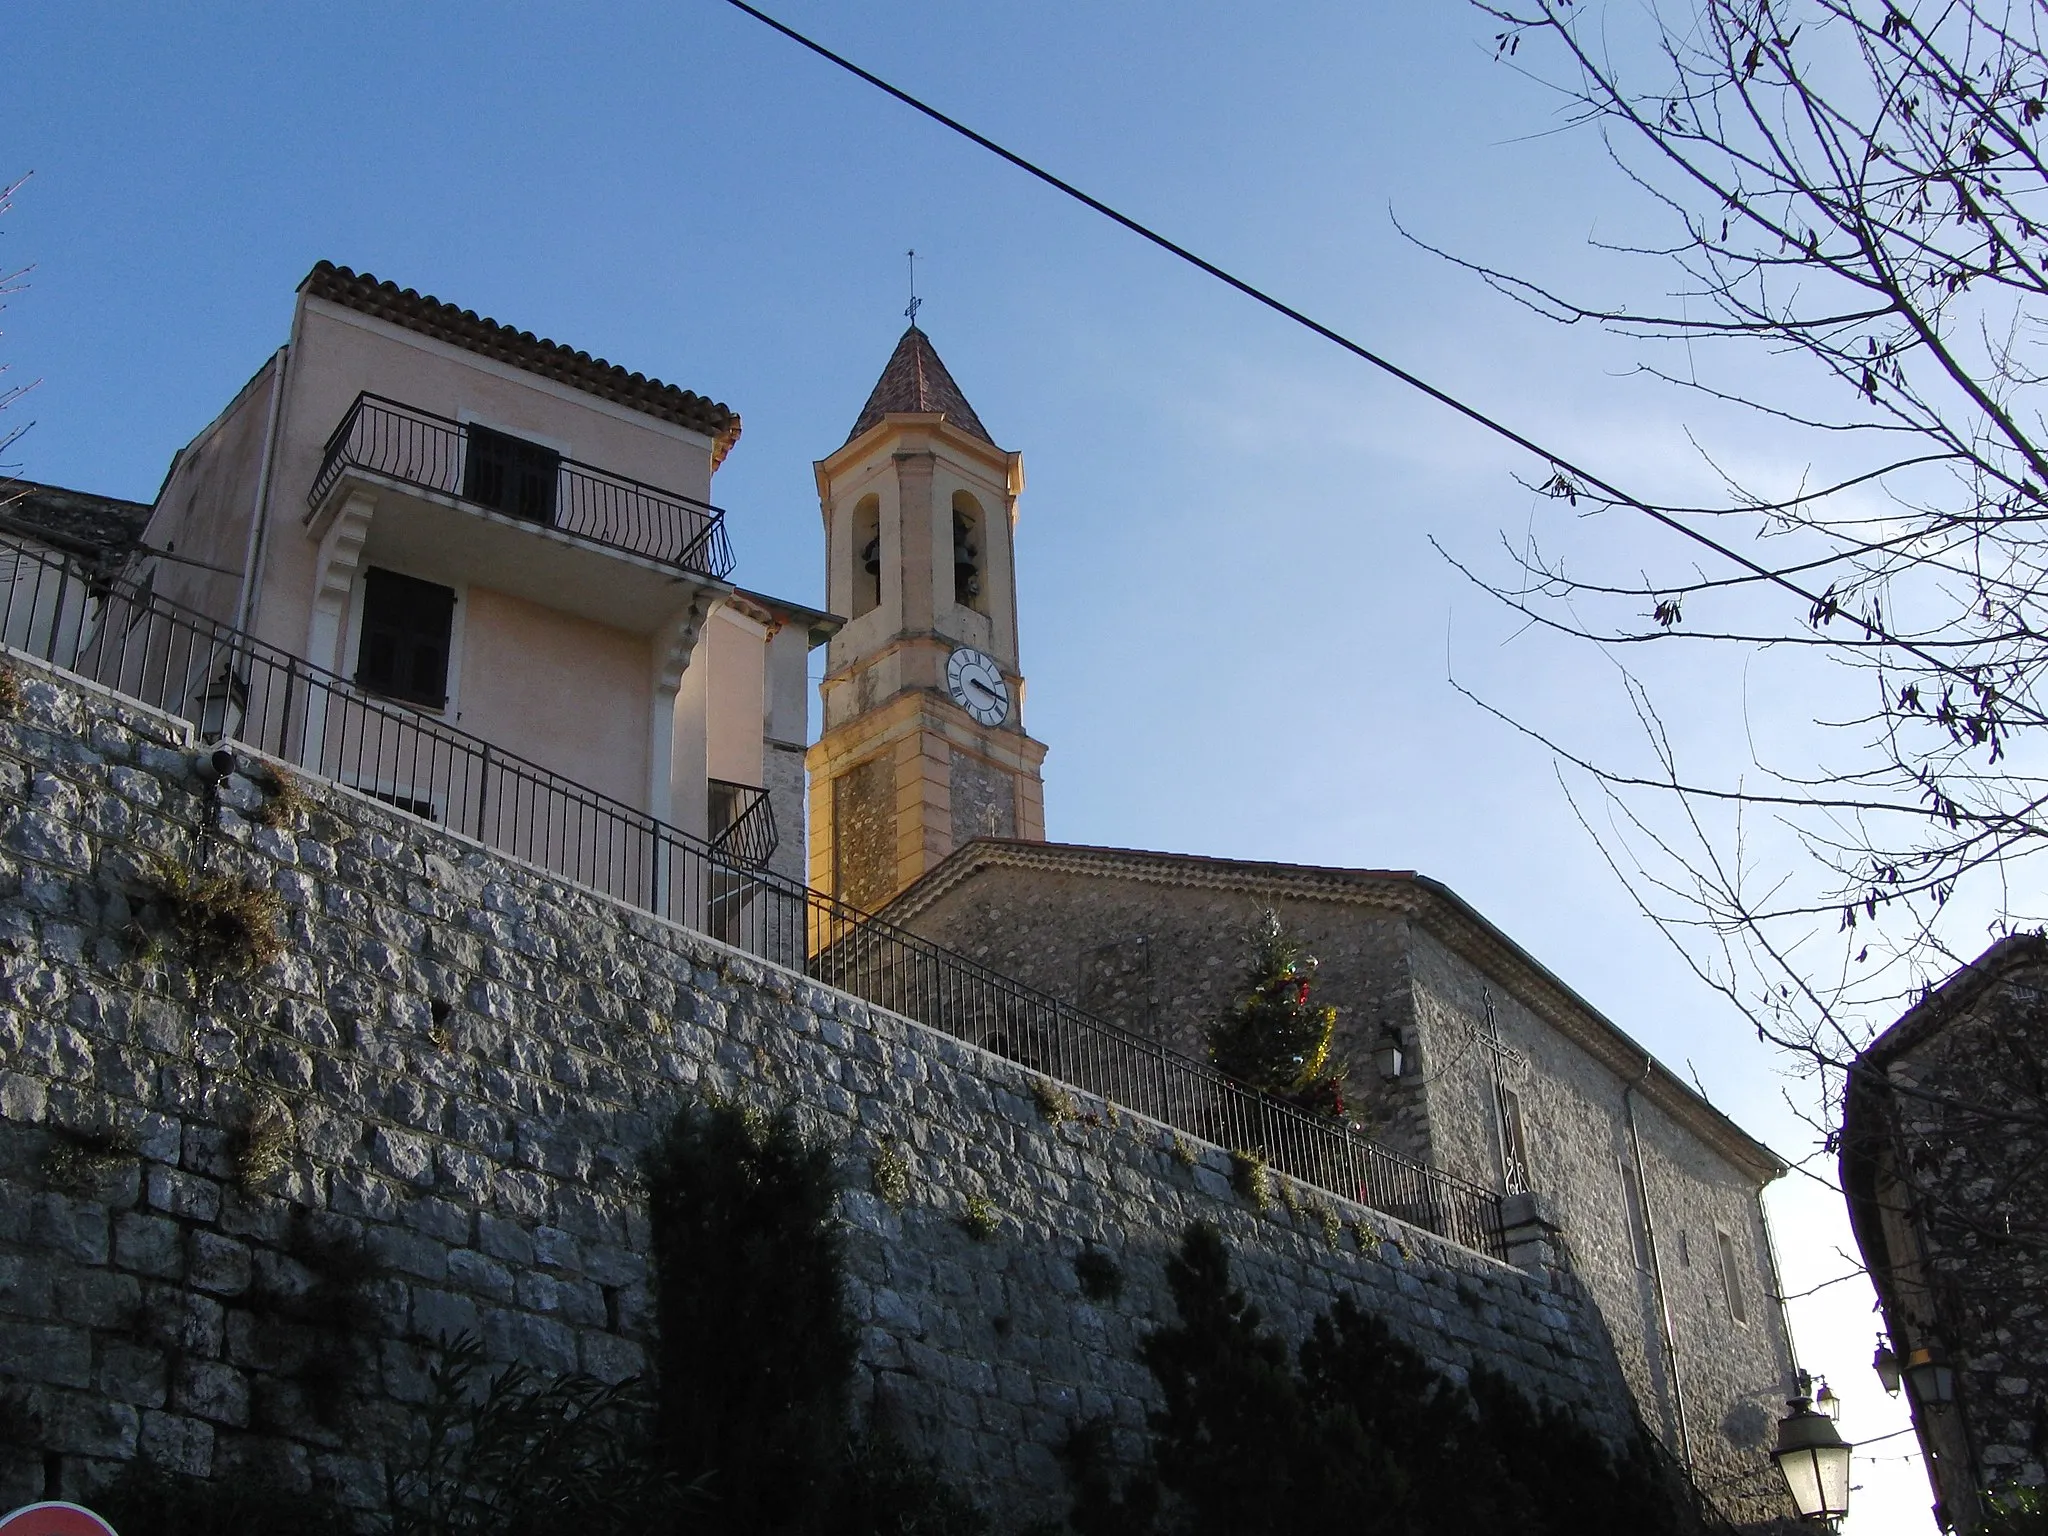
(867,555)
(970,553)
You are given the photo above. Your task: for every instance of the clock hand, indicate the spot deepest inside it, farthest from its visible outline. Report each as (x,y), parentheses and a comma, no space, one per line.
(975,682)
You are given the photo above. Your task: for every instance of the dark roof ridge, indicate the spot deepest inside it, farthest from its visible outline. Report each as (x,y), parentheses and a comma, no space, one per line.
(476,333)
(916,381)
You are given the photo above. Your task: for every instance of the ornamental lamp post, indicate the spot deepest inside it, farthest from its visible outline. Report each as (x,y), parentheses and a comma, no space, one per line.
(1826,1401)
(1931,1377)
(220,705)
(1813,1459)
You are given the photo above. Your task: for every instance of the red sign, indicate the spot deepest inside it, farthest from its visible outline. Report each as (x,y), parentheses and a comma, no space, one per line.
(54,1520)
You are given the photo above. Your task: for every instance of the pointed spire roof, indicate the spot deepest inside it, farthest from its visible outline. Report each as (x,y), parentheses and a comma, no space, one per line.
(916,381)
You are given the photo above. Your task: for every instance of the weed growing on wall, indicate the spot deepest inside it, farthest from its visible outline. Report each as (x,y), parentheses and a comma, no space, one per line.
(1252,1440)
(1055,1103)
(285,803)
(78,1163)
(262,1147)
(10,692)
(889,1173)
(1252,1177)
(978,1218)
(225,924)
(1183,1150)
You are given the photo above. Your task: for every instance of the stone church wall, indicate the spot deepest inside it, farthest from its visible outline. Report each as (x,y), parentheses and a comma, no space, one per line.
(1727,1377)
(1146,953)
(1147,956)
(455,1065)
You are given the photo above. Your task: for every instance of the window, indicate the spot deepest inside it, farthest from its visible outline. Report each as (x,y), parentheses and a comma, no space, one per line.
(1638,1213)
(406,627)
(510,475)
(1514,1146)
(1731,1278)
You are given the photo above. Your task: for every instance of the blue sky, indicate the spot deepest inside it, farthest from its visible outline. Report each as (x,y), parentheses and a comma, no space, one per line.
(1237,635)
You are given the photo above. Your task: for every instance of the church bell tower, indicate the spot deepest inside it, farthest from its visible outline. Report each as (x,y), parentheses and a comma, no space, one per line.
(923,746)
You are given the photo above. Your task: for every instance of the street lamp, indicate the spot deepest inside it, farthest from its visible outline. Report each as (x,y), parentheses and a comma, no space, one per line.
(220,705)
(1886,1363)
(1826,1401)
(1386,1055)
(1931,1377)
(1813,1459)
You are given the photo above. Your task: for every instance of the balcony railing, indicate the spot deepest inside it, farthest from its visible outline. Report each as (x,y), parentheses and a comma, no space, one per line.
(742,823)
(229,684)
(526,481)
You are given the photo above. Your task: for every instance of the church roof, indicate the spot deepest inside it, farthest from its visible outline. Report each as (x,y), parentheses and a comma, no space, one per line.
(916,381)
(1435,907)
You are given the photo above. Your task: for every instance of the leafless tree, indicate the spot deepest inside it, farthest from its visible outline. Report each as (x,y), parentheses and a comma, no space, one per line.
(1856,189)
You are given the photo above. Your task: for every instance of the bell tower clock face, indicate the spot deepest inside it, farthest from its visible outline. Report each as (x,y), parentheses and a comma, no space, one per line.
(976,684)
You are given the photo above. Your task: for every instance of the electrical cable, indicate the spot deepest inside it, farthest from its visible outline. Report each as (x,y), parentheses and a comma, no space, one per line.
(1563,467)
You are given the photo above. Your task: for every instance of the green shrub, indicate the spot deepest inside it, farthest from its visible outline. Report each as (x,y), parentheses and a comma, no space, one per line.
(1249,1441)
(756,1351)
(1100,1277)
(505,1451)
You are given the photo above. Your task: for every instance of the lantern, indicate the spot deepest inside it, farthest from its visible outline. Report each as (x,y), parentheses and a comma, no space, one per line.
(1814,1461)
(1829,1404)
(1886,1364)
(1386,1055)
(1931,1377)
(220,704)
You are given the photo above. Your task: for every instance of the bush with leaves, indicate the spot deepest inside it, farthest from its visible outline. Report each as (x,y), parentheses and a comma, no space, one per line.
(502,1450)
(757,1350)
(1251,1441)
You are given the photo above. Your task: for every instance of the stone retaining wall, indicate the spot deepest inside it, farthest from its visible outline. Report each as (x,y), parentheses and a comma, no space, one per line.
(237,1211)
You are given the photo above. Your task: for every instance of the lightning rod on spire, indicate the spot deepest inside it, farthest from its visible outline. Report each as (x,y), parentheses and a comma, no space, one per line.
(915,302)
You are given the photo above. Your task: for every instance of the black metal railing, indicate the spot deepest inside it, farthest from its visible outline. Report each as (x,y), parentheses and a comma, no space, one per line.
(230,684)
(525,481)
(742,822)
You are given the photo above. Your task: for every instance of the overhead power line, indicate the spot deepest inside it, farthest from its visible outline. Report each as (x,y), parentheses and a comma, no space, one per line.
(1559,464)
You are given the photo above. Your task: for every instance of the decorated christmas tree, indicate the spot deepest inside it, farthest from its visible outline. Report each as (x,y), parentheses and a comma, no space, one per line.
(1273,1037)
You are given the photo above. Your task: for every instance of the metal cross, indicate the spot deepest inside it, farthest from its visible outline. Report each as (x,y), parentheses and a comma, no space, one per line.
(915,302)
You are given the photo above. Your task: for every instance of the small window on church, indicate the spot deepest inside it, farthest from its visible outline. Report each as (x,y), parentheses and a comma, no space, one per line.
(1731,1278)
(969,541)
(867,555)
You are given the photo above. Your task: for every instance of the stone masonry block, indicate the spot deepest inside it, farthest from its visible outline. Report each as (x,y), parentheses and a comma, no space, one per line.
(209,1389)
(48,1352)
(183,1194)
(149,1245)
(217,1264)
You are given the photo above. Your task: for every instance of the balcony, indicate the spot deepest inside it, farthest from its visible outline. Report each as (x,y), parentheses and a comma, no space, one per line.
(507,479)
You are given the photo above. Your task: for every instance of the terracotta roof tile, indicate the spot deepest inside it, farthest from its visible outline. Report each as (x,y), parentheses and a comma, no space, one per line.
(536,354)
(916,381)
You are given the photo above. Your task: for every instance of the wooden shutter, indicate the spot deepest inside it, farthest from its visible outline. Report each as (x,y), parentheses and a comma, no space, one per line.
(510,475)
(407,624)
